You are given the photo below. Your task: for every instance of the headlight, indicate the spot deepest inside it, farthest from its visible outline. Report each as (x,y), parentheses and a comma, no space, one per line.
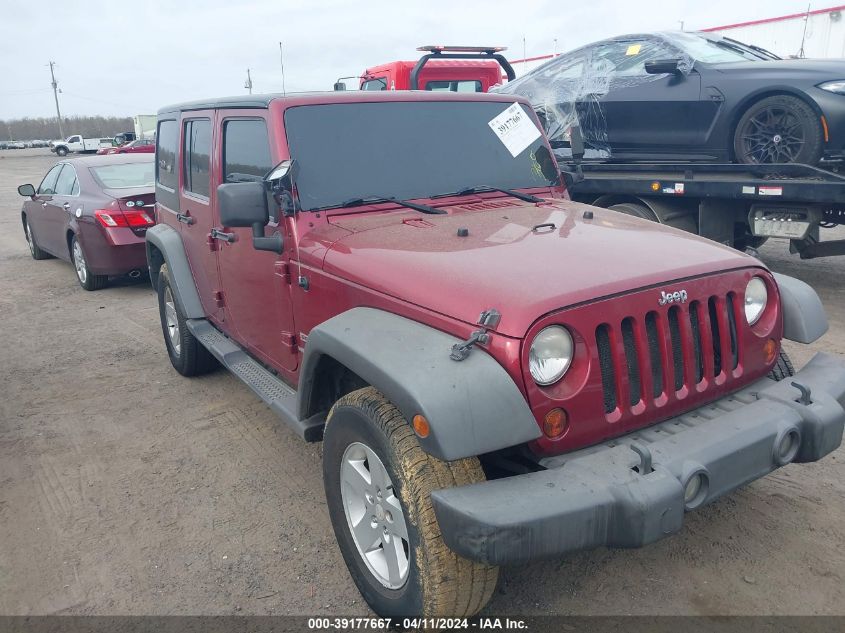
(837,86)
(550,355)
(756,297)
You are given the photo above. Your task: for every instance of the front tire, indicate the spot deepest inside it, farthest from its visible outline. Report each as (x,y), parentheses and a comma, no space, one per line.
(61,151)
(779,129)
(34,250)
(783,368)
(378,485)
(87,279)
(187,355)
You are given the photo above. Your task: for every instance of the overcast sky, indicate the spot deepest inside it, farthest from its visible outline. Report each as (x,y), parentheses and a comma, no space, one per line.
(124,57)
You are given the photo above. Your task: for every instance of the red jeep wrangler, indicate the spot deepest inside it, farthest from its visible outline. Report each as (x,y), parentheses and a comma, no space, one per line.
(498,374)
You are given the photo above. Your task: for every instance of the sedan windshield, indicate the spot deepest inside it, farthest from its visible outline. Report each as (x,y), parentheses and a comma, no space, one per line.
(719,50)
(125,175)
(409,150)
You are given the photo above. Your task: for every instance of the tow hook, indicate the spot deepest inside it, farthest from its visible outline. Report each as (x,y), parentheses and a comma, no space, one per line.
(488,319)
(804,398)
(644,467)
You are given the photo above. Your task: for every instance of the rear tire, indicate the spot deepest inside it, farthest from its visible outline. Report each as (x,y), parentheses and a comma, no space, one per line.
(379,480)
(187,354)
(635,209)
(779,129)
(87,279)
(34,250)
(783,368)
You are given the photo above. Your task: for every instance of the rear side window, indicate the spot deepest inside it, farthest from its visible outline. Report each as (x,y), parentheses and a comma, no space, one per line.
(246,150)
(66,182)
(168,144)
(196,151)
(462,85)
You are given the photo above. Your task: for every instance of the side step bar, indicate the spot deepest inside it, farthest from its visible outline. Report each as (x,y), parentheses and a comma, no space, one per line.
(271,389)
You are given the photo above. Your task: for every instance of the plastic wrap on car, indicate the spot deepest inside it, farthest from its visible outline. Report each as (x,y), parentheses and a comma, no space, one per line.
(569,89)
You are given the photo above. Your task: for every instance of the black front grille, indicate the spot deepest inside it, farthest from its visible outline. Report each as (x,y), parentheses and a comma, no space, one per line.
(680,328)
(608,375)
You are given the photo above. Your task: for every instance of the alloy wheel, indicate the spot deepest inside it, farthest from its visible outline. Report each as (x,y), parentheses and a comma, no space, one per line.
(172,321)
(374,515)
(773,135)
(29,239)
(79,263)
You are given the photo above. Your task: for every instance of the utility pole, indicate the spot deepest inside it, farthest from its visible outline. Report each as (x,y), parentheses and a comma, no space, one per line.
(524,56)
(56,97)
(248,82)
(282,61)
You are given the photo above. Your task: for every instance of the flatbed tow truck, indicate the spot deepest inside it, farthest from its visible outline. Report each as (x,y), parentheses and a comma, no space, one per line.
(735,204)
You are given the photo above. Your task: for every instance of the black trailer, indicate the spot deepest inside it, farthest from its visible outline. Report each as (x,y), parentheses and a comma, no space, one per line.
(738,205)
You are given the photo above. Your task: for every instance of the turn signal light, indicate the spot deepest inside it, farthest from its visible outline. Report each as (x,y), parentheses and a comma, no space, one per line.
(555,424)
(421,427)
(770,349)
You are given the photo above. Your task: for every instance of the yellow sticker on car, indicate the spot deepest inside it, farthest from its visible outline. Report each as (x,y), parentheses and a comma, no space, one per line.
(634,49)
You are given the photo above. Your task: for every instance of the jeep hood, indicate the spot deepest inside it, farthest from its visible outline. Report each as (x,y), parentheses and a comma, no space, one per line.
(526,260)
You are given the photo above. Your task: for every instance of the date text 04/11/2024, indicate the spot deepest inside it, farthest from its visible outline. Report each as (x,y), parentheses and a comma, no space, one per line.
(436,624)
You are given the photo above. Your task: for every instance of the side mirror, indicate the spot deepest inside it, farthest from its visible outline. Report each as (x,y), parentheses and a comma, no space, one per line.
(28,191)
(245,204)
(663,66)
(339,85)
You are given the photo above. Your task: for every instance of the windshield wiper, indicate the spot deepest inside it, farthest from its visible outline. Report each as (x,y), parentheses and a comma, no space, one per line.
(357,202)
(758,49)
(484,189)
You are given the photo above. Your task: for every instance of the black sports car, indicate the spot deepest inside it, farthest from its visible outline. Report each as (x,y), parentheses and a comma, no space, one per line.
(691,96)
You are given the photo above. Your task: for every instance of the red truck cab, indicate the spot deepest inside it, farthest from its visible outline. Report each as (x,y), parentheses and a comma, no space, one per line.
(441,69)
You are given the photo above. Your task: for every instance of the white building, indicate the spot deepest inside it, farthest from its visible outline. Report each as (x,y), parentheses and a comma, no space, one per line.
(816,33)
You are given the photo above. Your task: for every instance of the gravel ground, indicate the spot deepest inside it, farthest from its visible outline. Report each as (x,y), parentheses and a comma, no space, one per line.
(127,489)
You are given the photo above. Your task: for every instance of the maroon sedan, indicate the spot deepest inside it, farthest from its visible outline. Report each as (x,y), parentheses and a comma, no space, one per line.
(139,146)
(93,212)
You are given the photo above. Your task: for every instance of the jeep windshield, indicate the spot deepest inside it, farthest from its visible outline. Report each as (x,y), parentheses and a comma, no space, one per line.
(406,150)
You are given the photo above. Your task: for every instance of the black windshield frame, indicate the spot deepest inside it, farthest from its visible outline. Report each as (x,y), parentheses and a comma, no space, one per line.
(404,149)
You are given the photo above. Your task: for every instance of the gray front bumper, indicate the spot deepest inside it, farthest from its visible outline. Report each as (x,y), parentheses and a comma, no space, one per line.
(597,496)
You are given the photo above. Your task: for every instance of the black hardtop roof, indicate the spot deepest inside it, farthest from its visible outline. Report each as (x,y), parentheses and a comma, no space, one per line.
(303,98)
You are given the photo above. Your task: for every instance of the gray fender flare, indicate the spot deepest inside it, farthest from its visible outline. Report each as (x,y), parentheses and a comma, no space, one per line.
(804,318)
(472,406)
(168,241)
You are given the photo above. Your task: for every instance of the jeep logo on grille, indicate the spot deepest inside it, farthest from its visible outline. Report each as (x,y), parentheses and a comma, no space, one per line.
(679,296)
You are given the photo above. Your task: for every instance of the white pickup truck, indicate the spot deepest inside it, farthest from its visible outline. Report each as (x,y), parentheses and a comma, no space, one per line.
(78,145)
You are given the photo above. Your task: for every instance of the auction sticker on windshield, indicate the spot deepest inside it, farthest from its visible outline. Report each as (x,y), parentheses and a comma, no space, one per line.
(515,129)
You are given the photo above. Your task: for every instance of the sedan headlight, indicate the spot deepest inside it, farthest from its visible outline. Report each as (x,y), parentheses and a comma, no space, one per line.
(550,355)
(837,86)
(756,297)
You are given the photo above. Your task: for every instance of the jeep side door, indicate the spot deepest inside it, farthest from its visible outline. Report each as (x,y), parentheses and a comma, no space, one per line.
(197,215)
(256,284)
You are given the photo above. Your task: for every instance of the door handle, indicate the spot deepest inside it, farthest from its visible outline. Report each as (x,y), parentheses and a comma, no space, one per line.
(185,218)
(66,206)
(44,204)
(217,234)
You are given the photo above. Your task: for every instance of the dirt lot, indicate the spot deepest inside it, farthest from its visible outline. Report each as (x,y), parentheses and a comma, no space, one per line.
(127,489)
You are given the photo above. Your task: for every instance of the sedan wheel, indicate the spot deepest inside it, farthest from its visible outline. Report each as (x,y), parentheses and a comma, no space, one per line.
(34,250)
(87,279)
(779,129)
